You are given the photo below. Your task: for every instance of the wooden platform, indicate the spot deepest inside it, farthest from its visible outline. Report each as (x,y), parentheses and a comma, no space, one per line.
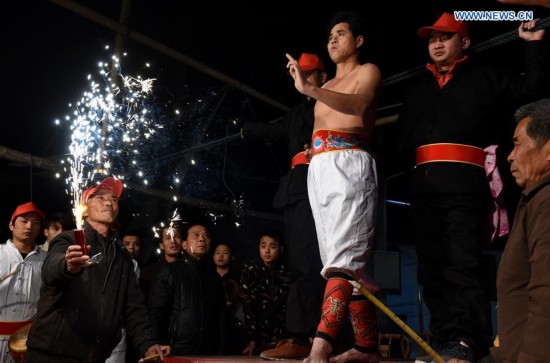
(248,359)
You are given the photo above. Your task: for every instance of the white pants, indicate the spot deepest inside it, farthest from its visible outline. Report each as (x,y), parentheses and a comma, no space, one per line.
(342,188)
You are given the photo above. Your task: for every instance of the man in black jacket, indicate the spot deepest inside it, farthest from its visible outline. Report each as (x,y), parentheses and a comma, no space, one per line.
(84,303)
(187,298)
(307,285)
(451,117)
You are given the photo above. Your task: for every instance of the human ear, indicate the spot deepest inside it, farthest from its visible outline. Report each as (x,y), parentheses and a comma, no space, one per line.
(359,41)
(466,43)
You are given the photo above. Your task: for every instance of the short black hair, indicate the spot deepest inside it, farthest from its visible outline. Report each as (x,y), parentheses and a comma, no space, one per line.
(357,24)
(188,225)
(132,233)
(538,126)
(56,218)
(271,233)
(228,244)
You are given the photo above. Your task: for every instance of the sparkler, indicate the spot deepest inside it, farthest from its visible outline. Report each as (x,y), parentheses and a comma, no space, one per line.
(108,123)
(175,218)
(125,125)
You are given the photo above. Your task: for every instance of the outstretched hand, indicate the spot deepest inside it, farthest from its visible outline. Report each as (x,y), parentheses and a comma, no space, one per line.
(295,71)
(76,260)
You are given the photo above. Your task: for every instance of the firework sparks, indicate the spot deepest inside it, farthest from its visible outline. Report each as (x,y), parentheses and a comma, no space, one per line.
(107,125)
(171,225)
(129,127)
(175,218)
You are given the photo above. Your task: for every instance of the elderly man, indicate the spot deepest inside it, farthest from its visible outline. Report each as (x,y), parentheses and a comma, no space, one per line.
(523,284)
(85,303)
(20,265)
(187,298)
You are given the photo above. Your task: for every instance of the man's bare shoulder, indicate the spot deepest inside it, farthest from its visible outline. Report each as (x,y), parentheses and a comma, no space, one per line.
(371,70)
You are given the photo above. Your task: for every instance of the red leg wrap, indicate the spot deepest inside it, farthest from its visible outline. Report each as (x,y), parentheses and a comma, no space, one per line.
(335,308)
(363,321)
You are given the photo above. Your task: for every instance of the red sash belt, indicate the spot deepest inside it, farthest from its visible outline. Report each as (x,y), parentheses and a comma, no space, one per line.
(298,159)
(9,327)
(450,152)
(332,140)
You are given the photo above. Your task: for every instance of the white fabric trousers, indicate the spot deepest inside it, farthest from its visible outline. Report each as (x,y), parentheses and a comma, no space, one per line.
(342,189)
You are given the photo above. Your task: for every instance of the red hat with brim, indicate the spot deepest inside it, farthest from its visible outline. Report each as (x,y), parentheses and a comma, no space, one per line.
(110,183)
(309,62)
(447,24)
(29,207)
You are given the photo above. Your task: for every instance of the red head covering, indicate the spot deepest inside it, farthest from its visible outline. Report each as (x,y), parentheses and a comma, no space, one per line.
(109,183)
(446,23)
(29,207)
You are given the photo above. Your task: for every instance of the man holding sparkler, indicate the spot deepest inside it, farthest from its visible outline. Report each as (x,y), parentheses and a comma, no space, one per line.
(86,300)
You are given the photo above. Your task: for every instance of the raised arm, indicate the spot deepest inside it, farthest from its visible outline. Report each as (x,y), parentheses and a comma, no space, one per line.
(351,97)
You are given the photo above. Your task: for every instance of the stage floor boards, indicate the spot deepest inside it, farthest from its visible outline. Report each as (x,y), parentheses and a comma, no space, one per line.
(250,359)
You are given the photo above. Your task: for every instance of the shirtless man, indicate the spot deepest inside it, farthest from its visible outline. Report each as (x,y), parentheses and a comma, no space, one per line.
(342,188)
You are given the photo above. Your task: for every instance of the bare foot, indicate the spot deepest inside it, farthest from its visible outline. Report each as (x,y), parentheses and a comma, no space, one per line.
(320,351)
(353,355)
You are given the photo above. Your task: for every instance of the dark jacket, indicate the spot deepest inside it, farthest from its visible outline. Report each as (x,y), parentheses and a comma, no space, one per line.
(473,108)
(264,293)
(80,316)
(186,301)
(523,315)
(148,274)
(295,128)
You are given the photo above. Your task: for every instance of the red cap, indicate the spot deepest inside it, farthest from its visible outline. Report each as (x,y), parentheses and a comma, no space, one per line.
(29,207)
(446,23)
(109,183)
(309,62)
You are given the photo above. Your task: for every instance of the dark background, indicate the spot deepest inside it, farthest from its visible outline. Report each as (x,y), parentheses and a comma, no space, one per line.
(49,50)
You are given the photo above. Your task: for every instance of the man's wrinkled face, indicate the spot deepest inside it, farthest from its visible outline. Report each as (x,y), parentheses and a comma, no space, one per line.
(529,162)
(198,241)
(102,207)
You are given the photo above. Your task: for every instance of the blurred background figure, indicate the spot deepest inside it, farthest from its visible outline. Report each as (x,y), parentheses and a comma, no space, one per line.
(264,289)
(232,334)
(53,225)
(170,245)
(132,242)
